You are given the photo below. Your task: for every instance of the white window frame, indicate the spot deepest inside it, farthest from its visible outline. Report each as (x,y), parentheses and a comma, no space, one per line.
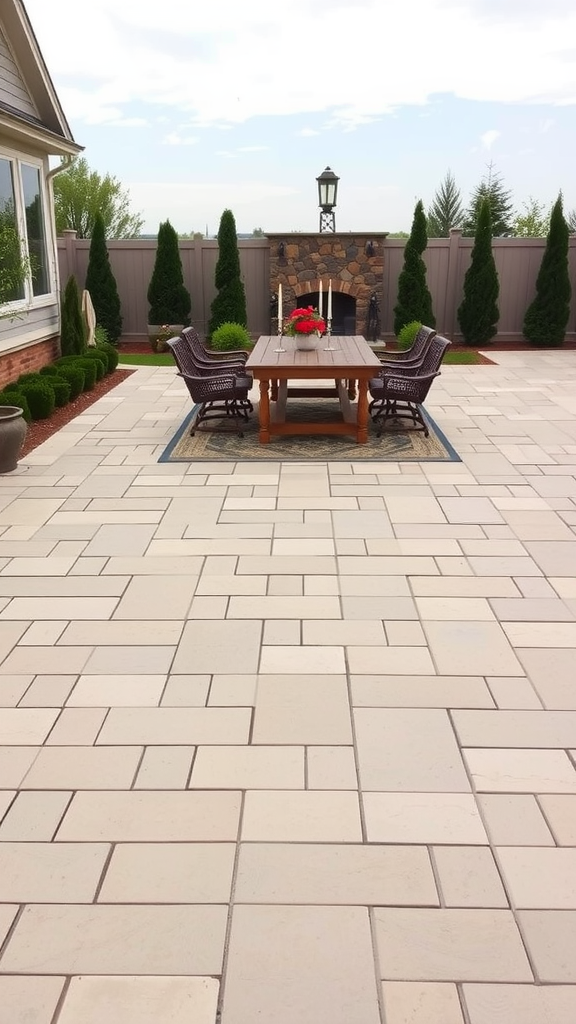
(30,301)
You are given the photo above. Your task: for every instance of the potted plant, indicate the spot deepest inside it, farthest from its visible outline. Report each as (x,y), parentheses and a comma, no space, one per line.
(168,297)
(306,325)
(15,266)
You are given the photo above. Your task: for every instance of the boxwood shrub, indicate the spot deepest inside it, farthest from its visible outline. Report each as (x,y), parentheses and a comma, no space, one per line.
(85,364)
(40,397)
(61,389)
(230,336)
(111,354)
(73,375)
(14,397)
(100,361)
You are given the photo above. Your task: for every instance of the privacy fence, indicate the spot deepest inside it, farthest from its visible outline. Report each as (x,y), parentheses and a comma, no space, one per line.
(447,259)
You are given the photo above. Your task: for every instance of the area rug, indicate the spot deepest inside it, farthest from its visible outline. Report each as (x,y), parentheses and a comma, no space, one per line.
(225,446)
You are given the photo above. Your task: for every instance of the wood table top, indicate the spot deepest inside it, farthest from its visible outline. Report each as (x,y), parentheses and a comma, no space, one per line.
(352,354)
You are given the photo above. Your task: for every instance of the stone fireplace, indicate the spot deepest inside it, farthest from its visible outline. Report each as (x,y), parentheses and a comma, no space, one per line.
(354,262)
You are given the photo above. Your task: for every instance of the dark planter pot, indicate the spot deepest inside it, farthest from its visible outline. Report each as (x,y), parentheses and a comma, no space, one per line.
(13,429)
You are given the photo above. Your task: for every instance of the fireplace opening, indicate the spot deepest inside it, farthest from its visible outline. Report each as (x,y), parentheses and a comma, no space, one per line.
(343,310)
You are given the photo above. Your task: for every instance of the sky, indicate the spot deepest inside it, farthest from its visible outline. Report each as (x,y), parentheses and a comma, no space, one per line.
(201,106)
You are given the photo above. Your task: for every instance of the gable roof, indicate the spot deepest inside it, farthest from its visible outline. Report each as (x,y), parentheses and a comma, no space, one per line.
(50,129)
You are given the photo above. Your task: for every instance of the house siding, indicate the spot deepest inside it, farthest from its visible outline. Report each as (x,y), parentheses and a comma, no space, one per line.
(30,343)
(12,86)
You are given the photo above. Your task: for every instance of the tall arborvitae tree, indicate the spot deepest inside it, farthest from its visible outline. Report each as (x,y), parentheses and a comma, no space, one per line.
(478,313)
(229,305)
(446,210)
(414,299)
(500,202)
(72,331)
(547,316)
(167,294)
(101,284)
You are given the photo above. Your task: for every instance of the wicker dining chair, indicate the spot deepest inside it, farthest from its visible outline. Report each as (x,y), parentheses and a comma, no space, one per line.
(191,362)
(208,358)
(415,353)
(222,395)
(400,393)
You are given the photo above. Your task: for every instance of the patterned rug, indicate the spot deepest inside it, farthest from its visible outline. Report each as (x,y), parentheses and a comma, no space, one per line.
(209,445)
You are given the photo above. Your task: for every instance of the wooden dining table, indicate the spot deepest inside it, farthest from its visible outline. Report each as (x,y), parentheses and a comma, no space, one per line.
(342,362)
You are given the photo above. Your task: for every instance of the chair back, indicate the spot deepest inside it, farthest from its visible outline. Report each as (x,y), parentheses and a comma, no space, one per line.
(434,355)
(183,355)
(192,339)
(421,341)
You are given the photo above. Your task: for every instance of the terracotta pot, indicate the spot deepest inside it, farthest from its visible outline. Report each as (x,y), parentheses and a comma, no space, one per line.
(13,430)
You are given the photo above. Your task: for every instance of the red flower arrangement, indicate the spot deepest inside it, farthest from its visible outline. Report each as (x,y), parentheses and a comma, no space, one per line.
(304,321)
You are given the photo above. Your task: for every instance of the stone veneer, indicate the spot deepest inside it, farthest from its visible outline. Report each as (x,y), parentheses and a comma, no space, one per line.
(339,257)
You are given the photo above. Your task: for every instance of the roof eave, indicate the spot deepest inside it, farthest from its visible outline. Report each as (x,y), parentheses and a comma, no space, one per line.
(26,134)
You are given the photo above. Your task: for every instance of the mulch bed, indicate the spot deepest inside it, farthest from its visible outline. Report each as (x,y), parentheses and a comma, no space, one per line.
(41,430)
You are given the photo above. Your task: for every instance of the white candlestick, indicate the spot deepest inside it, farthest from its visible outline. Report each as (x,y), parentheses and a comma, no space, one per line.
(329,310)
(280,325)
(320,299)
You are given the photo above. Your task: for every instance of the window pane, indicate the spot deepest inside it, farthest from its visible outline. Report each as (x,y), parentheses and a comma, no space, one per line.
(36,228)
(11,285)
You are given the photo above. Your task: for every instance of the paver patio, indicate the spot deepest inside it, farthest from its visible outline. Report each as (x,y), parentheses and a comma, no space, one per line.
(292,742)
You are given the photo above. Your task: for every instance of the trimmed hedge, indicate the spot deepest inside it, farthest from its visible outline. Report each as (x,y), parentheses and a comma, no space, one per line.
(111,354)
(61,389)
(9,397)
(40,397)
(99,360)
(73,375)
(85,364)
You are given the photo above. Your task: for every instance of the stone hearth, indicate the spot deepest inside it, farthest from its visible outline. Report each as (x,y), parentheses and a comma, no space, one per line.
(299,262)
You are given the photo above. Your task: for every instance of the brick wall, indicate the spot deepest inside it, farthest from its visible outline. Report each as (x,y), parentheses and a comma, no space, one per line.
(27,360)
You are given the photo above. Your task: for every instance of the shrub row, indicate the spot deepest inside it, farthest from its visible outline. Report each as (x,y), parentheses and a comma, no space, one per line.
(38,394)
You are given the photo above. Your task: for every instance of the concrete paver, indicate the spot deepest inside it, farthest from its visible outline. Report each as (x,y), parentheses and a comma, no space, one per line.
(293,741)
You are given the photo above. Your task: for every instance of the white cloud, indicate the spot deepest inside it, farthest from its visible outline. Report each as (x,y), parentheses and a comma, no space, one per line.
(175,139)
(489,138)
(307,133)
(252,149)
(133,58)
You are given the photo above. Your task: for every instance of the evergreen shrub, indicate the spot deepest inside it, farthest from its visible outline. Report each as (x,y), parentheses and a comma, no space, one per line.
(230,336)
(229,305)
(407,335)
(73,328)
(478,312)
(101,283)
(14,397)
(168,297)
(547,315)
(40,397)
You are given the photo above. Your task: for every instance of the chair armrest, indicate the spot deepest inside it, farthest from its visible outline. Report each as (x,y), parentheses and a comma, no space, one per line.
(238,355)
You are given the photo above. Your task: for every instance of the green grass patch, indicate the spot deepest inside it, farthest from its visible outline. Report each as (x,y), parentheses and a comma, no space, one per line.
(147,359)
(462,357)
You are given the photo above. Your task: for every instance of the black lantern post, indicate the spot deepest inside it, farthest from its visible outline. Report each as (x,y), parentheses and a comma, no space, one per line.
(327,192)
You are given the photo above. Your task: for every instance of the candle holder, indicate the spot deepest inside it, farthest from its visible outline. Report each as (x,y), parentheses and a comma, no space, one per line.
(329,347)
(280,347)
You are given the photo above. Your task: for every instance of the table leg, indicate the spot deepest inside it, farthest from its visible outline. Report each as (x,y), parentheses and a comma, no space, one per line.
(362,413)
(351,390)
(274,391)
(264,412)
